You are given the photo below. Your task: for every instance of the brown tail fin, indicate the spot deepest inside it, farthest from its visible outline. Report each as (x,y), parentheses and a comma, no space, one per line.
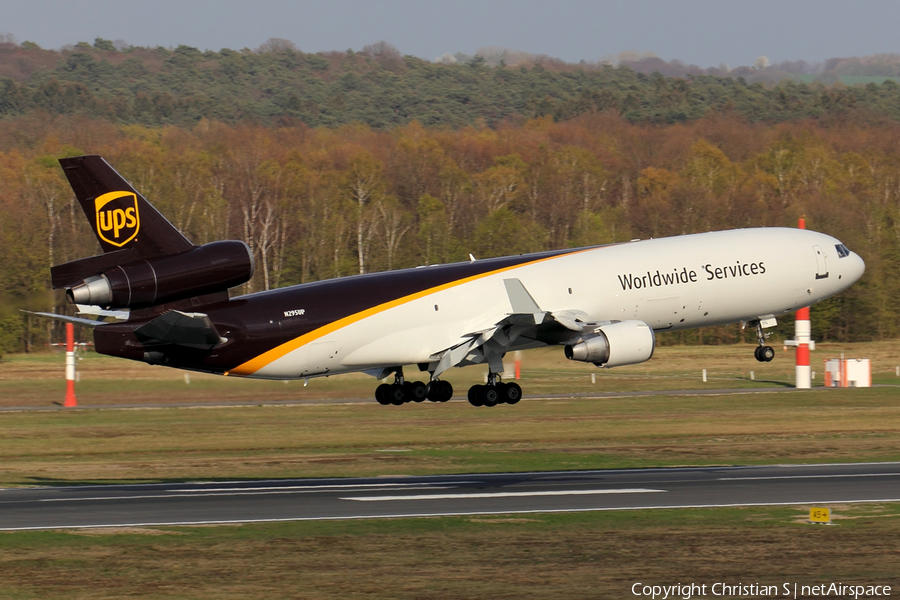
(126,225)
(120,217)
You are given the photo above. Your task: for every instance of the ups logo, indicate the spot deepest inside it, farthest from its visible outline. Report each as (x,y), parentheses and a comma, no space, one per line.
(118,220)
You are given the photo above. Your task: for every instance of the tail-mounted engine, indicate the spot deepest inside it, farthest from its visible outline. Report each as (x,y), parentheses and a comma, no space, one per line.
(614,345)
(212,267)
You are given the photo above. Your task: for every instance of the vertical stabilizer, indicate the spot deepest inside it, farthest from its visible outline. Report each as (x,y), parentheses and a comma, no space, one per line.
(121,218)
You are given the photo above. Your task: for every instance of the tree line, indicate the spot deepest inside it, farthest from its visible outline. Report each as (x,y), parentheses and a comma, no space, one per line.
(280,85)
(330,202)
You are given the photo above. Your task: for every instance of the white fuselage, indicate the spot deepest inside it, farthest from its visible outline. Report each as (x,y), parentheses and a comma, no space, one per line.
(669,283)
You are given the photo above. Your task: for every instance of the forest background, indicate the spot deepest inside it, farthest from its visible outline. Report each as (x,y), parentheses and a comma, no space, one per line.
(348,162)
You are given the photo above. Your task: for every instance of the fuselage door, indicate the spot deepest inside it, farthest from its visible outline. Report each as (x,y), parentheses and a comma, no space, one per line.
(821,266)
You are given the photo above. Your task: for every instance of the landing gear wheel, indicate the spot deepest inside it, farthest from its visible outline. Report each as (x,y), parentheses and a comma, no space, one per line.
(475,398)
(383,394)
(764,353)
(398,394)
(490,396)
(512,393)
(415,391)
(440,391)
(501,392)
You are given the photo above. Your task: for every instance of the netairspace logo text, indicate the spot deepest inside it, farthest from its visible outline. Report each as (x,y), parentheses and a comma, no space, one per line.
(758,590)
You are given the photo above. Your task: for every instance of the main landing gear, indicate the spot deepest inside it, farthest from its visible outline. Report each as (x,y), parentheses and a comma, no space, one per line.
(402,391)
(762,353)
(494,393)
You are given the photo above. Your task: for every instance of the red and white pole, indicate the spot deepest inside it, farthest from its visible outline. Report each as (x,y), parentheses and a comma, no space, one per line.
(803,336)
(70,366)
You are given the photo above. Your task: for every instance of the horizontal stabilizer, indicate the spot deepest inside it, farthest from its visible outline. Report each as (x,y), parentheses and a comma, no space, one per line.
(66,318)
(192,330)
(96,313)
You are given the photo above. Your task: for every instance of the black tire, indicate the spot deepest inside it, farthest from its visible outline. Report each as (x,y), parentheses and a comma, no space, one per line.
(512,393)
(767,353)
(757,355)
(416,391)
(490,396)
(445,391)
(501,392)
(475,395)
(383,394)
(398,394)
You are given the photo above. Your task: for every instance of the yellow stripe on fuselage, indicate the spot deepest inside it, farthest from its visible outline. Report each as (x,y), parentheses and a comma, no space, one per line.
(266,358)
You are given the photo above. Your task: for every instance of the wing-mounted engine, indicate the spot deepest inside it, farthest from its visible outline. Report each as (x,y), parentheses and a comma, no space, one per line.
(145,282)
(614,345)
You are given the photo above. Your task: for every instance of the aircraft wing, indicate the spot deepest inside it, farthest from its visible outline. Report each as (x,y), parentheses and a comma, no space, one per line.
(527,325)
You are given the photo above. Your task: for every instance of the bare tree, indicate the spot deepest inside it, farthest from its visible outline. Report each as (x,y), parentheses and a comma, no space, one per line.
(364,183)
(395,222)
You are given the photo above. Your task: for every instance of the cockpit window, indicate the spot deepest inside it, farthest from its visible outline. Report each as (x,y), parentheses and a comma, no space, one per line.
(842,250)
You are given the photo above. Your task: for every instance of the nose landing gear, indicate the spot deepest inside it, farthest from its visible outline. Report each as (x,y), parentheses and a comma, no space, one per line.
(762,353)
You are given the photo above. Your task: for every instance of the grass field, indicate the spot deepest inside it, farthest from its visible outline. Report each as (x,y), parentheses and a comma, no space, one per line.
(37,379)
(100,446)
(590,555)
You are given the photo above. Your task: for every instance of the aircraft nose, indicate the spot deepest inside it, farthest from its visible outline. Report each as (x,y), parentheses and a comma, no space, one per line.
(854,269)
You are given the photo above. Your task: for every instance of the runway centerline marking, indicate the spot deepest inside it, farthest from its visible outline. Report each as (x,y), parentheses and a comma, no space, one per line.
(502,495)
(381,486)
(242,492)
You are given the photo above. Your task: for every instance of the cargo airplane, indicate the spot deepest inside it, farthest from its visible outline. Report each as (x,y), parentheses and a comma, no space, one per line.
(165,301)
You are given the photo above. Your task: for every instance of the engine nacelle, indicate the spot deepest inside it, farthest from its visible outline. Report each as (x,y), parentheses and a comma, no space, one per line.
(212,267)
(614,345)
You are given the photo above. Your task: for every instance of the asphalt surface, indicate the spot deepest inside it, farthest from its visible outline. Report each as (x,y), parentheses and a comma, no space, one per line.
(389,497)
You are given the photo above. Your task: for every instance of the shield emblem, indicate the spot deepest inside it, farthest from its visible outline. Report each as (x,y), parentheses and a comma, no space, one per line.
(118,219)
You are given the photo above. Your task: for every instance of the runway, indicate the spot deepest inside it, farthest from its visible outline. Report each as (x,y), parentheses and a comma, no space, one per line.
(481,494)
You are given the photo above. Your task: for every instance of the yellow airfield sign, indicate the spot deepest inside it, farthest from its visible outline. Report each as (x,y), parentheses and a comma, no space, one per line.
(818,514)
